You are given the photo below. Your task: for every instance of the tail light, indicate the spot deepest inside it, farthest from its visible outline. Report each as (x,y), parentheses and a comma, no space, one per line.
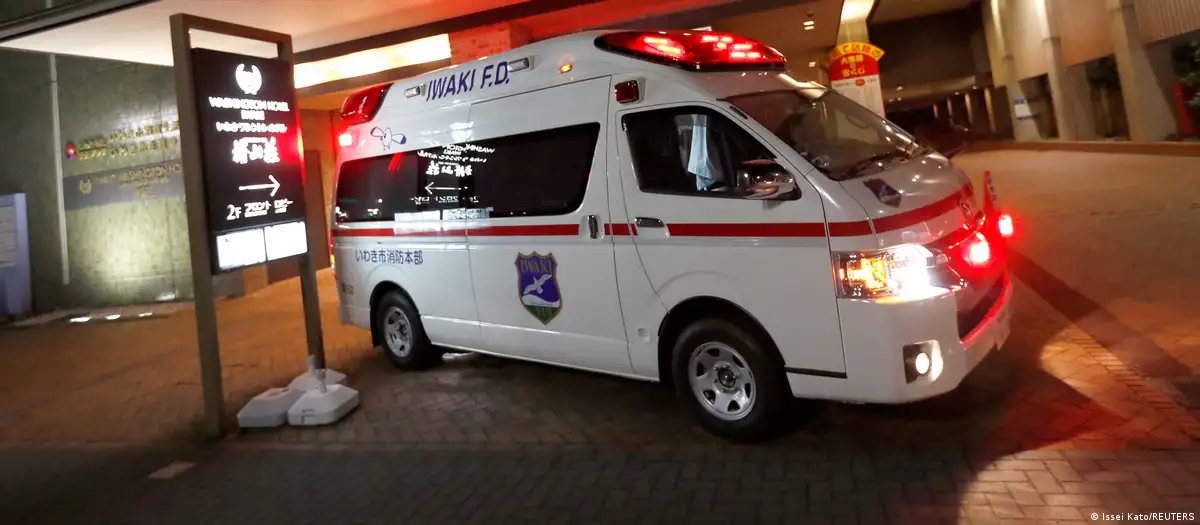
(695,50)
(363,104)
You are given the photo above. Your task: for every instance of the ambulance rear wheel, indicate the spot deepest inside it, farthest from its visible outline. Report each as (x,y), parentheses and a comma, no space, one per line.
(730,381)
(404,341)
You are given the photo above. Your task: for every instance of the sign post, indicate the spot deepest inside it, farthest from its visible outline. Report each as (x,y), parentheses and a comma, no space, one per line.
(244,180)
(854,72)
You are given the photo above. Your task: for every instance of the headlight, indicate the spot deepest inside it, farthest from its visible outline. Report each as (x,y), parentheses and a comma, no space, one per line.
(899,270)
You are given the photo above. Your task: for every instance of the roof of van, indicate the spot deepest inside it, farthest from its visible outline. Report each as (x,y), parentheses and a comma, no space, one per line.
(537,64)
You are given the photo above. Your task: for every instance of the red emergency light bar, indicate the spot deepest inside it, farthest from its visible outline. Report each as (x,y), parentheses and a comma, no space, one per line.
(694,50)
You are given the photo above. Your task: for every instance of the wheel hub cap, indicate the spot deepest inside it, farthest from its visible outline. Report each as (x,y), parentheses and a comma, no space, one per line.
(722,381)
(397,332)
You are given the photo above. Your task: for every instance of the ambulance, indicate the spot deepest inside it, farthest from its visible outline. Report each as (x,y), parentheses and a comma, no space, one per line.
(665,206)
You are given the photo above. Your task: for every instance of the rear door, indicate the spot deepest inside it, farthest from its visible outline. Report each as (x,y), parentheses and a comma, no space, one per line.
(542,264)
(771,259)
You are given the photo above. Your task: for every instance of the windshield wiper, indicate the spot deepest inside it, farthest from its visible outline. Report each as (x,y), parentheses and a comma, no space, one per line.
(863,164)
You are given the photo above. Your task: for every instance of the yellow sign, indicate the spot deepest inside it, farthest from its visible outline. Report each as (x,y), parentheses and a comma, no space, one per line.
(126,142)
(856,48)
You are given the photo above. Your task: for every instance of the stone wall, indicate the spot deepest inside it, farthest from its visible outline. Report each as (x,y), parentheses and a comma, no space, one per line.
(27,164)
(126,227)
(480,42)
(14,9)
(120,117)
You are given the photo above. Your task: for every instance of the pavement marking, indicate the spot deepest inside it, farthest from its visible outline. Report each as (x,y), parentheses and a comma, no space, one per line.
(172,470)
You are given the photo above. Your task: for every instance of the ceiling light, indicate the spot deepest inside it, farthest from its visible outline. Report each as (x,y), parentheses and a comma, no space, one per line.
(809,22)
(812,64)
(899,88)
(809,28)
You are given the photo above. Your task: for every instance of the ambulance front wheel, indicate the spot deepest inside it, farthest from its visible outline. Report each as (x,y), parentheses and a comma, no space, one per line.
(404,341)
(730,381)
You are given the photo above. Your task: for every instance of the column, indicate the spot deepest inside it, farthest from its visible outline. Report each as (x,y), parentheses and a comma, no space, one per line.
(1068,86)
(959,110)
(943,110)
(480,42)
(1001,14)
(1147,109)
(853,31)
(977,107)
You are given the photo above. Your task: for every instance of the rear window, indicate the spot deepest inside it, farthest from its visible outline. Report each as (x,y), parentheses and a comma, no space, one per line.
(539,173)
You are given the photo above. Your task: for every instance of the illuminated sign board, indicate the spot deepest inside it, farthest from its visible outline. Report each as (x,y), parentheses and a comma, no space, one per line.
(253,167)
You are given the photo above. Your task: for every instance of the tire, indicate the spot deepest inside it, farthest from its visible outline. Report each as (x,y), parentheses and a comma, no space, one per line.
(402,335)
(736,358)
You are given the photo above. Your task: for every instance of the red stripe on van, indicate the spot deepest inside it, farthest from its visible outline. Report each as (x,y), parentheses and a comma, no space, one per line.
(924,213)
(772,229)
(530,230)
(404,232)
(619,229)
(791,229)
(849,229)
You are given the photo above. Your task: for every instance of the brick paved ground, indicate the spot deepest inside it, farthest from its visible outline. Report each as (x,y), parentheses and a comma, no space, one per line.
(1120,229)
(1054,427)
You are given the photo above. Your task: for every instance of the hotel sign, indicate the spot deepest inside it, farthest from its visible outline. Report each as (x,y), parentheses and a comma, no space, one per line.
(252,163)
(152,181)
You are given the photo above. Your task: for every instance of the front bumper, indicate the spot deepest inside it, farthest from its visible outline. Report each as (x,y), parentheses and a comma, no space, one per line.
(874,334)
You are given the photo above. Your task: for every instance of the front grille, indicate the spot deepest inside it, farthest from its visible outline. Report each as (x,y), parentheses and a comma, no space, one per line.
(970,318)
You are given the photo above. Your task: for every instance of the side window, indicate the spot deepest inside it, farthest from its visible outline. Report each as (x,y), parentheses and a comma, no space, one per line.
(538,173)
(689,151)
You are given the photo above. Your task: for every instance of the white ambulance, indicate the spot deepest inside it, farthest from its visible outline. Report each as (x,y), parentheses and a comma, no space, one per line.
(665,206)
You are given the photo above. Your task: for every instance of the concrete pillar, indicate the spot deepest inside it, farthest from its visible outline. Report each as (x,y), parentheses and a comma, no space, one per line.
(977,108)
(1001,17)
(1000,112)
(480,42)
(1146,108)
(1072,112)
(853,31)
(959,110)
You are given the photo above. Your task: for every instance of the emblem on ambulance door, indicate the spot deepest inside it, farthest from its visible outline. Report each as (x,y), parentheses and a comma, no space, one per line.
(537,285)
(884,192)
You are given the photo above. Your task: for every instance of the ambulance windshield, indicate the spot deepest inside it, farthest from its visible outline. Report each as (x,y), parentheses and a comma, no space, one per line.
(836,135)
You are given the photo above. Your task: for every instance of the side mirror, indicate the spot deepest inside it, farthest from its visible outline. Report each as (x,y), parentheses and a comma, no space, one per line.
(766,180)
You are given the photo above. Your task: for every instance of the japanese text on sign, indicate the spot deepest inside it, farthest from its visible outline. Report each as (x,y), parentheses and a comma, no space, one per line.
(390,256)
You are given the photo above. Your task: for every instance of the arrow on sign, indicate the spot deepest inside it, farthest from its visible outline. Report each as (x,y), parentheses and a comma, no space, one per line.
(274,186)
(430,187)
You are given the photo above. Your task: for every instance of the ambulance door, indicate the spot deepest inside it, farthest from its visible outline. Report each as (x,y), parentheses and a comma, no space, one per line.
(696,237)
(542,263)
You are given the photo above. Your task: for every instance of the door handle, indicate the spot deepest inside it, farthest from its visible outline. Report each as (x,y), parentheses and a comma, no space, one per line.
(649,222)
(593,226)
